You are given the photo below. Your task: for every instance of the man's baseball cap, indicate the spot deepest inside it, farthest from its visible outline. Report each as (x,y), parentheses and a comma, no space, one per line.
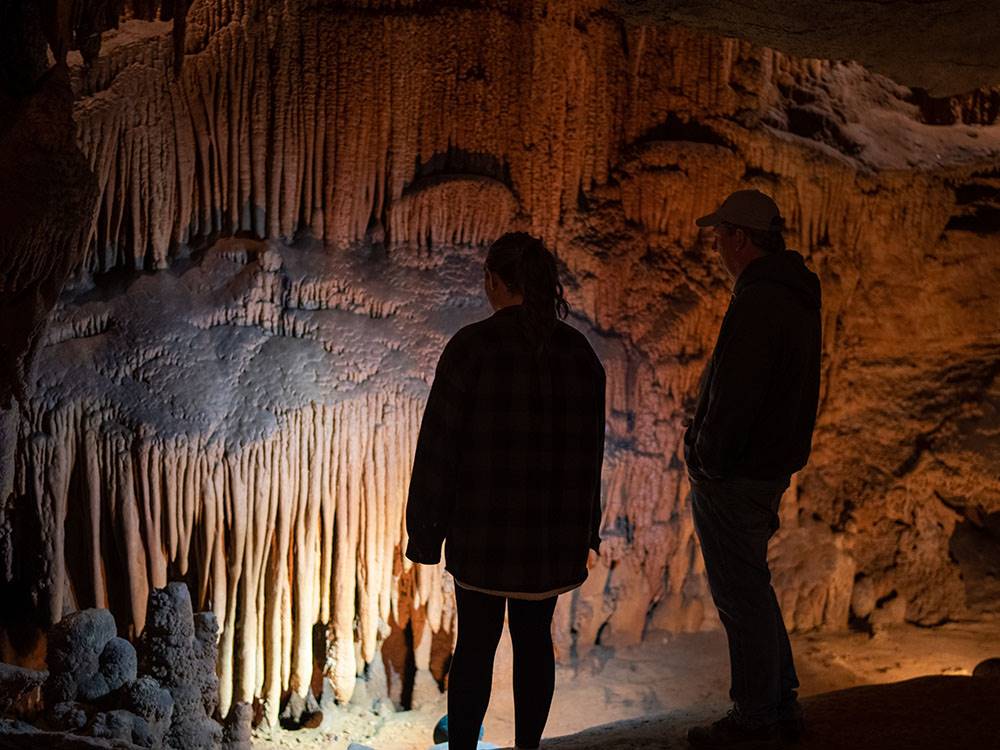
(745,208)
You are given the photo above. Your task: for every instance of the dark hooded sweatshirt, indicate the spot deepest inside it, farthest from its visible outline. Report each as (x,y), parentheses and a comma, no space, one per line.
(757,405)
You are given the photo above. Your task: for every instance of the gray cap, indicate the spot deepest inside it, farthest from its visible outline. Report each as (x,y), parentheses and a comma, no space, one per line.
(745,208)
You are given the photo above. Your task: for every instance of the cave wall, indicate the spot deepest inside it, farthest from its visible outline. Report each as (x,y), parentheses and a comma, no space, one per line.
(47,197)
(364,155)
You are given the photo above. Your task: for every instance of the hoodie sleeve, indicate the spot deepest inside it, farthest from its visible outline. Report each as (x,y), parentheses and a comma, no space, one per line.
(742,375)
(432,492)
(596,511)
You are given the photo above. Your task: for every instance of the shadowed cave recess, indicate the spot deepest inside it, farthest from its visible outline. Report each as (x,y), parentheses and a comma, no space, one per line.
(241,231)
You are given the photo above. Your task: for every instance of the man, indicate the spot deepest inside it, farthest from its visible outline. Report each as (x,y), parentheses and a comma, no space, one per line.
(752,429)
(507,473)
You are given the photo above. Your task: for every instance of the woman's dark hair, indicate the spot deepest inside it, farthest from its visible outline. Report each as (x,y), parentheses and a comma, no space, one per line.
(526,266)
(768,241)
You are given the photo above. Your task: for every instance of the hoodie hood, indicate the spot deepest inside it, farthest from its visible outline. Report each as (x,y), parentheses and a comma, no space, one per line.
(787,269)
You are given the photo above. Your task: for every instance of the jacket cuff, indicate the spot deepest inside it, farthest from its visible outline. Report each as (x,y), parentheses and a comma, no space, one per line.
(595,544)
(423,554)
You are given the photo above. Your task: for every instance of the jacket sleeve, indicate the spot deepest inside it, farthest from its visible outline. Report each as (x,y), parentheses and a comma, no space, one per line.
(596,511)
(743,372)
(432,492)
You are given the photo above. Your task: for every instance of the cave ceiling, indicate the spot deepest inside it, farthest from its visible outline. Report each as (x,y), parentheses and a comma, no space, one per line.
(947,48)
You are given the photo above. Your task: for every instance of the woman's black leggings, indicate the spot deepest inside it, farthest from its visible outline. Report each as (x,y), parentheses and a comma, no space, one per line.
(480,623)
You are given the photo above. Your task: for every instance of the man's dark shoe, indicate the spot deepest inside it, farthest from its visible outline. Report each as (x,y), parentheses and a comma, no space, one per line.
(730,732)
(791,730)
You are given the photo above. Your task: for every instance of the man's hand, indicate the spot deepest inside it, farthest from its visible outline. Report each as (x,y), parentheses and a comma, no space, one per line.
(592,558)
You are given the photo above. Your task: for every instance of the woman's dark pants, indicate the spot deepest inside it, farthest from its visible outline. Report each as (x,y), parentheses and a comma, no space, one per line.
(480,623)
(734,520)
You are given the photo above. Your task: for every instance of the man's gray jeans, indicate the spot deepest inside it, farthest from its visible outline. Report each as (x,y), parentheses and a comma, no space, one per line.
(734,519)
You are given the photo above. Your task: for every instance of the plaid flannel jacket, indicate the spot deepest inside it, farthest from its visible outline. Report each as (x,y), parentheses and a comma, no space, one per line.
(508,462)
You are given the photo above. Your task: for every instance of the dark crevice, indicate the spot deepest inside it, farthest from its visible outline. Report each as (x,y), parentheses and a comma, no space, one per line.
(600,633)
(976,192)
(676,129)
(844,516)
(409,675)
(984,220)
(860,625)
(882,601)
(921,444)
(986,174)
(934,110)
(930,624)
(981,107)
(975,548)
(756,173)
(814,124)
(457,161)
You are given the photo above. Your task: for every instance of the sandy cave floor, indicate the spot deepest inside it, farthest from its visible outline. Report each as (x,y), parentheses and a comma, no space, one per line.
(675,680)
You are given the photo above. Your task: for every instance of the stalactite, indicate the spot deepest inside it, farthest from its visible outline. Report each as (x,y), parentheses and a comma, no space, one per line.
(673,181)
(323,142)
(459,211)
(305,148)
(267,522)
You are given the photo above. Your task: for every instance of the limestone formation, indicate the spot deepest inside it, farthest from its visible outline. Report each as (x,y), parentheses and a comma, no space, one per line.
(92,688)
(94,693)
(237,728)
(78,667)
(291,227)
(173,654)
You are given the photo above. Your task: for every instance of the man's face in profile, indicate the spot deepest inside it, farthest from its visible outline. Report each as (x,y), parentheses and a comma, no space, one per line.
(726,242)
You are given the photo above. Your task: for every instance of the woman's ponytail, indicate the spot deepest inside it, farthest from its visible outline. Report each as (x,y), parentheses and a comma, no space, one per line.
(526,266)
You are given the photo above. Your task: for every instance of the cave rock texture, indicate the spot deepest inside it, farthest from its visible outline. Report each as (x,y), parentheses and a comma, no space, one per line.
(291,224)
(99,692)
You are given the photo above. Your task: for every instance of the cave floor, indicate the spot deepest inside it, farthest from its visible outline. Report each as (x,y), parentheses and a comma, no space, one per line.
(670,682)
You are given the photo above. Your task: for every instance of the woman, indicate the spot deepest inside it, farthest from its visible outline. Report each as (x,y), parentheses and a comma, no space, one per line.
(508,474)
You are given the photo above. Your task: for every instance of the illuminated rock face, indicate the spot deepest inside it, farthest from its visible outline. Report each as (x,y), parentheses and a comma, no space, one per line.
(245,417)
(278,406)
